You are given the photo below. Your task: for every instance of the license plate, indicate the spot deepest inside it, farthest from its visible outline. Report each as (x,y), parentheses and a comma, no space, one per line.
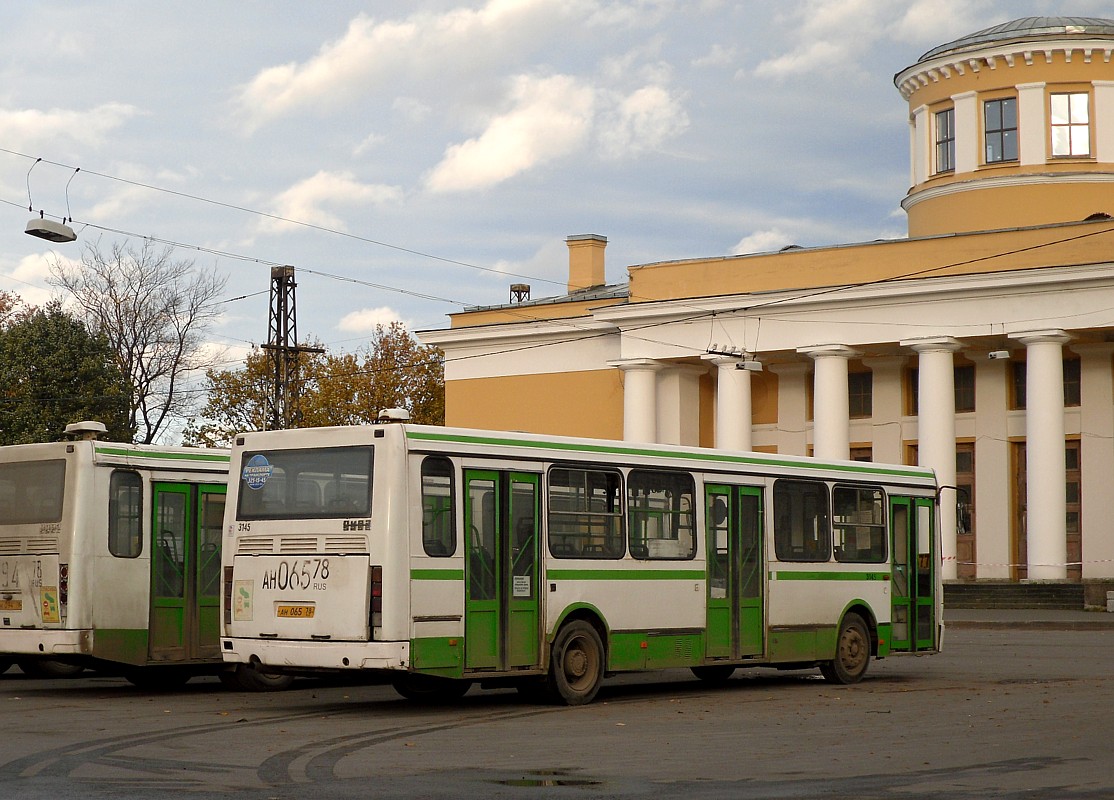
(293,611)
(11,605)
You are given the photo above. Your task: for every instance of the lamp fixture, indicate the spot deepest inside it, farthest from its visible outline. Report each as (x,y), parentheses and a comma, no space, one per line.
(50,230)
(998,355)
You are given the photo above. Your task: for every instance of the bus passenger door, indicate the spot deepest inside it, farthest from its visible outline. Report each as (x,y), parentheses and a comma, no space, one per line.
(913,578)
(502,609)
(736,617)
(185,572)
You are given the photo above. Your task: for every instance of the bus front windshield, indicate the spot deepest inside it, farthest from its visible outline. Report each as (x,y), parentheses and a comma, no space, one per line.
(311,483)
(31,491)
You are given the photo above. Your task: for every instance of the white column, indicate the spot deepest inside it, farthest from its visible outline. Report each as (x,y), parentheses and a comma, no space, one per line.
(968,153)
(791,407)
(640,398)
(1032,131)
(1046,499)
(1104,121)
(733,406)
(679,404)
(831,432)
(936,431)
(1096,455)
(886,419)
(920,144)
(992,470)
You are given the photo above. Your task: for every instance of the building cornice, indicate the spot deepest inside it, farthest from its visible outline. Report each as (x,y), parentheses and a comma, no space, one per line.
(1006,55)
(920,195)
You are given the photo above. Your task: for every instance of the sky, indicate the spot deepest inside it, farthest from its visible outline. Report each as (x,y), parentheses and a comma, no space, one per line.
(413,159)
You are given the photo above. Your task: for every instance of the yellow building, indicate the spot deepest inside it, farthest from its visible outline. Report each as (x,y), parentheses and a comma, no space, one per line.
(982,345)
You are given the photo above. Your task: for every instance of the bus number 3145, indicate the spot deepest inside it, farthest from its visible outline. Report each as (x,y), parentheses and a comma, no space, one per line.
(310,573)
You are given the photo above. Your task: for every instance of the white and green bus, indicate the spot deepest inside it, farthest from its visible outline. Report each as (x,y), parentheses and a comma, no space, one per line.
(440,558)
(110,558)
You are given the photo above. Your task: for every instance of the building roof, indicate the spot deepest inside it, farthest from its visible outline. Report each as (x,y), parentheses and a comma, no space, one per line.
(1026,28)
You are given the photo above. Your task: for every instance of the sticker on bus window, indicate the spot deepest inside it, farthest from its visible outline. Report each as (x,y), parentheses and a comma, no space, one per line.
(256,471)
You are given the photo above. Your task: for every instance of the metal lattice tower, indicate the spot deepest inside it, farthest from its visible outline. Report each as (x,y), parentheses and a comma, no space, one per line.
(282,345)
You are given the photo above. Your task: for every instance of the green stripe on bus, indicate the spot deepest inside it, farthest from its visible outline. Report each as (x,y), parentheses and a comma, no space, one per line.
(865,468)
(436,574)
(624,574)
(200,455)
(829,576)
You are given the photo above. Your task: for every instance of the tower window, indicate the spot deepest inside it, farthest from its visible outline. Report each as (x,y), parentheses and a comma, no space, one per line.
(1071,124)
(945,140)
(1000,129)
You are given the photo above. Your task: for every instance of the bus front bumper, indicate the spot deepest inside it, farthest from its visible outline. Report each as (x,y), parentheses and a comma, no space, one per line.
(294,655)
(45,642)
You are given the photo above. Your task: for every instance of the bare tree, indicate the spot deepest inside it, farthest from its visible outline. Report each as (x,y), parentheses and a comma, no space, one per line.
(154,311)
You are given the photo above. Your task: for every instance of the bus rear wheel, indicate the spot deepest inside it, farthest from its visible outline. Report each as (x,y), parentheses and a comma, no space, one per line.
(852,654)
(576,664)
(430,688)
(48,668)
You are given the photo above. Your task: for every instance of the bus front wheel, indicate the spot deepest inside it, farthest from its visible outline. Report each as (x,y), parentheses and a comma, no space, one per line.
(248,678)
(576,664)
(852,653)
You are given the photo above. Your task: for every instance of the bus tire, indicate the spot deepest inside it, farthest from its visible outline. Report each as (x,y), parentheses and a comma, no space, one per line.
(430,689)
(47,668)
(714,673)
(852,655)
(576,664)
(246,678)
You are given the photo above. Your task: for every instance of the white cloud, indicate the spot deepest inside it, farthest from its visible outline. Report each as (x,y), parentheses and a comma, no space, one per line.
(28,277)
(550,117)
(424,45)
(765,241)
(310,200)
(643,121)
(718,56)
(933,22)
(365,320)
(32,127)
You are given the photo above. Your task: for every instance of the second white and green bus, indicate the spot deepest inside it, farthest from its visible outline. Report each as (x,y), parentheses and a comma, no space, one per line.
(440,558)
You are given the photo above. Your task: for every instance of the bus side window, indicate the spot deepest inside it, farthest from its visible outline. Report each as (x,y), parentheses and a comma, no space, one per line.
(438,508)
(125,514)
(802,530)
(660,519)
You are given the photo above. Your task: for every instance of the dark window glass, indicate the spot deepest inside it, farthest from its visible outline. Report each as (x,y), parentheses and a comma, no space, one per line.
(1000,129)
(125,514)
(585,513)
(438,511)
(1017,384)
(965,388)
(945,140)
(661,519)
(1071,382)
(801,526)
(860,387)
(31,492)
(315,483)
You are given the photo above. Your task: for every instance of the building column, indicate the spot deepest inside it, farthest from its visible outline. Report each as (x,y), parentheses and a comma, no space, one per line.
(886,402)
(792,410)
(679,404)
(1045,492)
(936,432)
(1032,125)
(831,431)
(1096,457)
(733,406)
(640,398)
(992,470)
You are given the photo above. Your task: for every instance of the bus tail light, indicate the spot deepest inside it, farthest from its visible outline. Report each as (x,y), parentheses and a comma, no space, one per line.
(63,583)
(376,616)
(228,596)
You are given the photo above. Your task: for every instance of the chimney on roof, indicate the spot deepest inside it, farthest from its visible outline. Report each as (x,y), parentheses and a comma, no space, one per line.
(586,261)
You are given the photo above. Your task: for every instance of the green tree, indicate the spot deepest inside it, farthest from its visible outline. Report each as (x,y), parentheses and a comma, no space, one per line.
(392,371)
(53,371)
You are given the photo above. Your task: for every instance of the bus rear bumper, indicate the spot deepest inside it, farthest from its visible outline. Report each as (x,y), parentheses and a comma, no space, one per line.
(46,642)
(296,655)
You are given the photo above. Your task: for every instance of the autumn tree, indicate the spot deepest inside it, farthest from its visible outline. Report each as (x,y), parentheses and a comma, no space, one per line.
(153,310)
(392,371)
(53,371)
